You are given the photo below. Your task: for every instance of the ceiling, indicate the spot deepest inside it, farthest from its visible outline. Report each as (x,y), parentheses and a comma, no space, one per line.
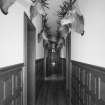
(52,14)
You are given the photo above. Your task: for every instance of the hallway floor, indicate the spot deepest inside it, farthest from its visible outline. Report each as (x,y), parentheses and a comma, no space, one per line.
(52,93)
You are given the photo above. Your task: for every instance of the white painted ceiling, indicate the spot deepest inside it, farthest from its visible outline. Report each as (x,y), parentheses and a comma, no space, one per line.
(52,14)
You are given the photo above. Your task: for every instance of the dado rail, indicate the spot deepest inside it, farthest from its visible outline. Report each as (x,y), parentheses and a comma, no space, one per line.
(11,85)
(88,84)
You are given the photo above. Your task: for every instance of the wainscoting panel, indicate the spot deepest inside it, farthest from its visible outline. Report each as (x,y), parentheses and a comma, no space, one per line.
(39,75)
(62,66)
(11,85)
(88,84)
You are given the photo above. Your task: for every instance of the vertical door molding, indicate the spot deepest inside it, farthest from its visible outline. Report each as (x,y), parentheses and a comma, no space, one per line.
(68,64)
(29,60)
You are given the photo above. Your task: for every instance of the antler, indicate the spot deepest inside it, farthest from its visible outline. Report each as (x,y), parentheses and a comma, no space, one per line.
(44,3)
(45,30)
(64,8)
(73,2)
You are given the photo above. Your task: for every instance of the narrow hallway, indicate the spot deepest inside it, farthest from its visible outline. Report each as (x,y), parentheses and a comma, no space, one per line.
(52,93)
(52,52)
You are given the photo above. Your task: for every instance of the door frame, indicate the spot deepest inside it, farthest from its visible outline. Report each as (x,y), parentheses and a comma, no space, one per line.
(68,64)
(28,23)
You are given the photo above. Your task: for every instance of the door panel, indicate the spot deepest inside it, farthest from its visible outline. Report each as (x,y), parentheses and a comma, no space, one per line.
(30,60)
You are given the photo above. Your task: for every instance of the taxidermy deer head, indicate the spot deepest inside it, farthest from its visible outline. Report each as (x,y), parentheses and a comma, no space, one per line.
(5,4)
(38,8)
(36,4)
(71,16)
(76,20)
(63,31)
(42,35)
(60,43)
(45,30)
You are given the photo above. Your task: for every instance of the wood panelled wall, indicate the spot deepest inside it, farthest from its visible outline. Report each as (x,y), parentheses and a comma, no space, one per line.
(62,66)
(39,75)
(88,84)
(11,85)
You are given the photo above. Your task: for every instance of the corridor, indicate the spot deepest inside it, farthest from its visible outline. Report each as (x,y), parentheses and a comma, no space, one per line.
(52,52)
(52,93)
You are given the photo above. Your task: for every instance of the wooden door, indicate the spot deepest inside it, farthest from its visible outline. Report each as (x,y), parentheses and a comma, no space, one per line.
(30,60)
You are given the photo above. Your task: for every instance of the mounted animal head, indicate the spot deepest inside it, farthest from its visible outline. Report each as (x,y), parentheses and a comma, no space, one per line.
(42,35)
(78,25)
(37,8)
(69,18)
(61,43)
(5,4)
(76,20)
(63,31)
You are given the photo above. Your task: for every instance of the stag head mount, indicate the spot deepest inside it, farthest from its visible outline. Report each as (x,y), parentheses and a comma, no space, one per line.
(45,25)
(6,4)
(45,32)
(71,16)
(65,8)
(44,3)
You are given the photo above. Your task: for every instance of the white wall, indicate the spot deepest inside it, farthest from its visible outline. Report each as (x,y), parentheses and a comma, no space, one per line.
(37,22)
(11,36)
(91,47)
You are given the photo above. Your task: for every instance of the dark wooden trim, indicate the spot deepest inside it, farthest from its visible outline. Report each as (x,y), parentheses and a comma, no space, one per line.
(39,60)
(39,75)
(11,84)
(29,61)
(68,65)
(11,67)
(89,66)
(88,84)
